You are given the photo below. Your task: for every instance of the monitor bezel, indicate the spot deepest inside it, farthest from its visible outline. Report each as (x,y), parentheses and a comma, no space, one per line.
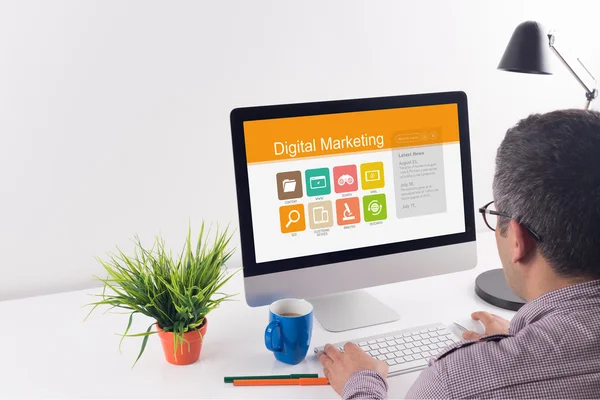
(240,115)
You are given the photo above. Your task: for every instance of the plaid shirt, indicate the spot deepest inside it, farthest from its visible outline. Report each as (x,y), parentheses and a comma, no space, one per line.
(552,351)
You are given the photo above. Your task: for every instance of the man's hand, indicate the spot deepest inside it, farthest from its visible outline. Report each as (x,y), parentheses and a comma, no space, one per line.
(493,324)
(338,367)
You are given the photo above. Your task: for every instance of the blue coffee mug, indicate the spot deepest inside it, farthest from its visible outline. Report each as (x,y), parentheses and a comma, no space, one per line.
(290,329)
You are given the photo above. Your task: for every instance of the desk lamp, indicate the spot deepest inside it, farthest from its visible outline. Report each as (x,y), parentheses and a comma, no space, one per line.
(529,51)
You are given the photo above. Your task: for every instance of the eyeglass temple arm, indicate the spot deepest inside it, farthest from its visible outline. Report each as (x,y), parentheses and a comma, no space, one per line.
(491,212)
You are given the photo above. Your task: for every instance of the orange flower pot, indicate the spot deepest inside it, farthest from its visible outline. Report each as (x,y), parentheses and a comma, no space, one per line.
(188,351)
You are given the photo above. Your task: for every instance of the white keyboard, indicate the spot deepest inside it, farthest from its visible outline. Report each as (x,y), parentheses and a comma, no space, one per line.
(407,350)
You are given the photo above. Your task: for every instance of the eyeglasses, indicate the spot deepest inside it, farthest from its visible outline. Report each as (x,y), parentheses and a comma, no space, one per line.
(489,209)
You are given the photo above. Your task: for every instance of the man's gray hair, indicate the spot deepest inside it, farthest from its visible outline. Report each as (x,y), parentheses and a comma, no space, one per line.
(548,178)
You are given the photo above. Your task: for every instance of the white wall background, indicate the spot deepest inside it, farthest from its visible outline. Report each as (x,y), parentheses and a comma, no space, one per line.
(114,115)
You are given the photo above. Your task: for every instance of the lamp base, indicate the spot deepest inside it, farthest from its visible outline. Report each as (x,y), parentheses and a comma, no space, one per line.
(491,287)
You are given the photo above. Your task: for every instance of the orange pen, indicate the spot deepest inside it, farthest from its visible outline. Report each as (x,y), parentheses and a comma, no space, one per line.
(282,382)
(313,381)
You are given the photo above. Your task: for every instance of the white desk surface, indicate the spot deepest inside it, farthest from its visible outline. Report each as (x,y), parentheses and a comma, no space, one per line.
(47,351)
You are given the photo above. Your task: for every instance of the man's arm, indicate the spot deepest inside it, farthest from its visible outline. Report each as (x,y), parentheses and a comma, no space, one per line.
(431,384)
(365,384)
(368,384)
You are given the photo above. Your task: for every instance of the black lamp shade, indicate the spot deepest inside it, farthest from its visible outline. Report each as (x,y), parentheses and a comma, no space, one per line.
(528,50)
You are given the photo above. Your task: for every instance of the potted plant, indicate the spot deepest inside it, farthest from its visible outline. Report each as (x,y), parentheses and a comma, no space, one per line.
(176,292)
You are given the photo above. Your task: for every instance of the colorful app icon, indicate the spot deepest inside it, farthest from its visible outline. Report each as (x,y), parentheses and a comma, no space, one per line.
(347,211)
(320,214)
(345,179)
(317,182)
(291,218)
(289,185)
(374,207)
(371,175)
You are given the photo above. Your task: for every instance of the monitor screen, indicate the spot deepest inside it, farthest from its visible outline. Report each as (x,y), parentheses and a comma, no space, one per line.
(327,183)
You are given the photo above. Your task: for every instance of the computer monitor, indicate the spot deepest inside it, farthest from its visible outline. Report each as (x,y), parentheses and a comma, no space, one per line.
(338,196)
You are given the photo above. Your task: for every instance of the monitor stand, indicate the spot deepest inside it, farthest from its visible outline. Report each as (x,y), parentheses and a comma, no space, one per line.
(351,310)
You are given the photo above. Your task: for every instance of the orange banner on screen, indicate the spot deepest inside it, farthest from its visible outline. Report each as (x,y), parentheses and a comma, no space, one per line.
(330,134)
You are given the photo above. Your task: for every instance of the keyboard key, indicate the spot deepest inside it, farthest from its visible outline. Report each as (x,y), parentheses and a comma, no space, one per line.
(401,347)
(423,331)
(433,346)
(383,351)
(407,352)
(426,354)
(374,353)
(399,354)
(400,341)
(435,352)
(434,340)
(408,365)
(372,341)
(444,331)
(441,346)
(408,358)
(390,362)
(424,348)
(418,343)
(432,329)
(389,338)
(365,348)
(417,337)
(408,339)
(425,335)
(448,342)
(409,345)
(432,334)
(426,341)
(380,340)
(361,344)
(374,346)
(390,343)
(397,336)
(417,356)
(381,358)
(392,348)
(390,356)
(400,360)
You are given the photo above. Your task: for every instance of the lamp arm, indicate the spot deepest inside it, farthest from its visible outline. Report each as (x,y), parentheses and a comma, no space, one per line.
(590,87)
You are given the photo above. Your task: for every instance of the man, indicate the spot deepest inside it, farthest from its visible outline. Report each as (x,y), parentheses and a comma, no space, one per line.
(547,196)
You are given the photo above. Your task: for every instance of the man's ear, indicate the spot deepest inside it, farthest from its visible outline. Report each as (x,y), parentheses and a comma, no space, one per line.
(523,243)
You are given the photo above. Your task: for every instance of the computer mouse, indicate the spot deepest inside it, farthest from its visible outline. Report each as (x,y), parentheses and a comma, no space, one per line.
(470,325)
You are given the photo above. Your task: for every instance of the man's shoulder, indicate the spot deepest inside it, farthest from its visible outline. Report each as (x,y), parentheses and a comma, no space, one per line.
(457,372)
(477,366)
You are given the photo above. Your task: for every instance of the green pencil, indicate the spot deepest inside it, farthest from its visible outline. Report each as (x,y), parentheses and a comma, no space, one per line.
(230,379)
